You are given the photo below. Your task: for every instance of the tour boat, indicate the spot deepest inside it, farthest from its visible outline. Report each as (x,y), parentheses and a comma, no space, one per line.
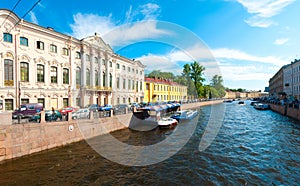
(261,106)
(185,115)
(241,103)
(167,123)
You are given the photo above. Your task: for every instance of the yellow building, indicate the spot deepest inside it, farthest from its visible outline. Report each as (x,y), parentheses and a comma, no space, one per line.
(162,90)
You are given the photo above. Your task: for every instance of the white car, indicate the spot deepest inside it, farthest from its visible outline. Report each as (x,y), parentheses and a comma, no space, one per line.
(81,114)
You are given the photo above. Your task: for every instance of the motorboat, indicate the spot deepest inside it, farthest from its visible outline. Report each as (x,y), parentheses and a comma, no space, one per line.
(167,123)
(253,103)
(184,115)
(241,103)
(261,106)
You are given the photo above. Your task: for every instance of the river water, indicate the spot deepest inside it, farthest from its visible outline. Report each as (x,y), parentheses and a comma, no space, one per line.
(252,147)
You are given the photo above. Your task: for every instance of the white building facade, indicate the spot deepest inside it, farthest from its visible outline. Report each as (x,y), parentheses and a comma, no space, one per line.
(41,65)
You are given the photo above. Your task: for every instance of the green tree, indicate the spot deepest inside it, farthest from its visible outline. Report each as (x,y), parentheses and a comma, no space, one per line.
(217,84)
(195,72)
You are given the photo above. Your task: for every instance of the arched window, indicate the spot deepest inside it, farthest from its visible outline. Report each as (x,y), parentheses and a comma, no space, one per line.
(88,77)
(24,71)
(96,60)
(103,77)
(53,74)
(78,76)
(65,76)
(110,80)
(96,78)
(8,72)
(40,72)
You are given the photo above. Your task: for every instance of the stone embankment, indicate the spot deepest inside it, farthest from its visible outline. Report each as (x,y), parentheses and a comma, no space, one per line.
(23,139)
(290,110)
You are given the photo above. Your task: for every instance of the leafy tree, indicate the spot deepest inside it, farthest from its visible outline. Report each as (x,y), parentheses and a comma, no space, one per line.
(195,73)
(217,84)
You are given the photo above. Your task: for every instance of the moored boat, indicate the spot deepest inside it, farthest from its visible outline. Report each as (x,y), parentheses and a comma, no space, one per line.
(241,103)
(261,106)
(167,123)
(184,115)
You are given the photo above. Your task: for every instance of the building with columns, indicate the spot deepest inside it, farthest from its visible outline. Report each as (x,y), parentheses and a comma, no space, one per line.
(42,65)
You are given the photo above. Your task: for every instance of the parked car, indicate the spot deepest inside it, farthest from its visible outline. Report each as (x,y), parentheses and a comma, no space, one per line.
(49,116)
(121,108)
(106,107)
(27,110)
(81,113)
(92,107)
(66,110)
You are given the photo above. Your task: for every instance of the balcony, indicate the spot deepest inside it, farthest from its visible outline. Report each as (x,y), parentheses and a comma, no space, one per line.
(8,82)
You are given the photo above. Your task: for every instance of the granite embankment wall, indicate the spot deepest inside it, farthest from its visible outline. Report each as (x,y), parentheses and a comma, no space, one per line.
(286,110)
(23,139)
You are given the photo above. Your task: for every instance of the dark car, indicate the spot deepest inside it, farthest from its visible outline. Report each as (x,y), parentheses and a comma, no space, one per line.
(27,110)
(92,107)
(49,116)
(120,109)
(106,107)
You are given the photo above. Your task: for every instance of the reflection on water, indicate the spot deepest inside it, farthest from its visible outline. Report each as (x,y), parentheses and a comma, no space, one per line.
(252,147)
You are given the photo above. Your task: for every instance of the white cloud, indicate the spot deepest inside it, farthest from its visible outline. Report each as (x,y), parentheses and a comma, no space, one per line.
(33,17)
(281,41)
(160,62)
(225,53)
(263,10)
(133,32)
(150,11)
(87,24)
(136,26)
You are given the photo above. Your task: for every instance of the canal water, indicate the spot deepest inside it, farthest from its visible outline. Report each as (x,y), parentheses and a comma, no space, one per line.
(252,147)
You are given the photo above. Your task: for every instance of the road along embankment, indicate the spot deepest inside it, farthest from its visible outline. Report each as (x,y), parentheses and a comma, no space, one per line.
(23,139)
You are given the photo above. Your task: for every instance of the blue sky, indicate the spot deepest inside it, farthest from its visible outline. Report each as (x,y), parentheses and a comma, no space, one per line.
(249,39)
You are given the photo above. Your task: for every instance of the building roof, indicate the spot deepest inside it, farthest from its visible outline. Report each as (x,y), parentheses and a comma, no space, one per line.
(162,81)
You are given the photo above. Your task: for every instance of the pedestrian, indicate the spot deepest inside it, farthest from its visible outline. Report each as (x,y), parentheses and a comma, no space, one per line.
(53,114)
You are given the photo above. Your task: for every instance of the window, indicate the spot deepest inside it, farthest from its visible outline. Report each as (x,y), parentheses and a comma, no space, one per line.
(124,83)
(137,86)
(124,100)
(9,104)
(118,66)
(88,77)
(147,86)
(133,70)
(141,86)
(24,101)
(65,51)
(103,77)
(65,102)
(65,76)
(77,55)
(96,78)
(118,82)
(7,37)
(123,67)
(129,84)
(8,73)
(110,64)
(103,62)
(110,80)
(78,76)
(128,69)
(53,48)
(24,70)
(132,84)
(136,71)
(40,45)
(23,41)
(41,100)
(40,73)
(53,74)
(96,60)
